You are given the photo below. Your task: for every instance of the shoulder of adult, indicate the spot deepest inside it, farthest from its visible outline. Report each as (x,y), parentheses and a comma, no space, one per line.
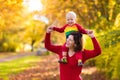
(78,53)
(83,51)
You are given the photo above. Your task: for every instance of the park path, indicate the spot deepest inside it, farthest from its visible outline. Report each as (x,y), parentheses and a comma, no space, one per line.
(13,57)
(22,54)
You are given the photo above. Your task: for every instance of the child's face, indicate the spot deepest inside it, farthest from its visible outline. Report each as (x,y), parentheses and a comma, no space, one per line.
(70,19)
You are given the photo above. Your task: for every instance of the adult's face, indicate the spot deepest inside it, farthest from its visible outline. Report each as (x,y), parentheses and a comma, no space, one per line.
(70,42)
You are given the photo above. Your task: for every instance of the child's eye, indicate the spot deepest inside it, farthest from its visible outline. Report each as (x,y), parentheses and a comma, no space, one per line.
(67,19)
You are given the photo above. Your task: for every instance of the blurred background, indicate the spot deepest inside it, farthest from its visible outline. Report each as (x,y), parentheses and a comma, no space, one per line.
(23,26)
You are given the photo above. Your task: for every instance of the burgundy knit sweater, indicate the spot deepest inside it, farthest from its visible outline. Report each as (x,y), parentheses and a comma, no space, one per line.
(71,71)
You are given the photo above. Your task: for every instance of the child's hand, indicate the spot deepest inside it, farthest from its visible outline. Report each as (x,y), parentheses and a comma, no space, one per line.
(49,29)
(91,33)
(52,26)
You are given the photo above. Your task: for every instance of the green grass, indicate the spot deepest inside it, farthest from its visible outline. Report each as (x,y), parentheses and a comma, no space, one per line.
(16,66)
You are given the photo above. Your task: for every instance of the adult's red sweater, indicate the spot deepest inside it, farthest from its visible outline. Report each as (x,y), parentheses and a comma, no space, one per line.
(71,71)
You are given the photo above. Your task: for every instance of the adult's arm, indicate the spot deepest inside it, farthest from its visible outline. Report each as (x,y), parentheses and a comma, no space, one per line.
(92,53)
(49,45)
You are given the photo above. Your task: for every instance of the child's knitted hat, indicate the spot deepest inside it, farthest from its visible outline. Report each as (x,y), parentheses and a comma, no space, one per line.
(72,14)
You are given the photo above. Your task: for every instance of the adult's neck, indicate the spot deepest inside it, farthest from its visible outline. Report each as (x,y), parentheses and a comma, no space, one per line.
(71,49)
(71,52)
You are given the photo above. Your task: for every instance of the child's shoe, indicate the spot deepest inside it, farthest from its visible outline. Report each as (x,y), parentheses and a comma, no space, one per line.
(63,60)
(80,63)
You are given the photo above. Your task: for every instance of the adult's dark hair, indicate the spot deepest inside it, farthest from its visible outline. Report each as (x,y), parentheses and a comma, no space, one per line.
(77,36)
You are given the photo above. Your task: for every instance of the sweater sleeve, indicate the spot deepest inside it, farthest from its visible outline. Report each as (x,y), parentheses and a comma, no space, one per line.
(60,29)
(49,46)
(81,29)
(92,53)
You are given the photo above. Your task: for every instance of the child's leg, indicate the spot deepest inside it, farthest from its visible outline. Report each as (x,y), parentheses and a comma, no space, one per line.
(64,57)
(80,62)
(79,58)
(64,54)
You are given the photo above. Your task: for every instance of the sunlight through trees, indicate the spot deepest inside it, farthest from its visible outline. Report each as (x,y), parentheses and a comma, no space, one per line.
(24,22)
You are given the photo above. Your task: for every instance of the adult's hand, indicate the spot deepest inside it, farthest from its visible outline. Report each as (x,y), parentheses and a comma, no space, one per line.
(49,29)
(91,34)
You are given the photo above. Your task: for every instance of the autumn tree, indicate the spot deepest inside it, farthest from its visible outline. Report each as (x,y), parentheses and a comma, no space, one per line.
(18,25)
(10,16)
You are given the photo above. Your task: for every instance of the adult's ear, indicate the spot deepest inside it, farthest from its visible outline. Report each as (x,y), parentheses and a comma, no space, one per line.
(75,45)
